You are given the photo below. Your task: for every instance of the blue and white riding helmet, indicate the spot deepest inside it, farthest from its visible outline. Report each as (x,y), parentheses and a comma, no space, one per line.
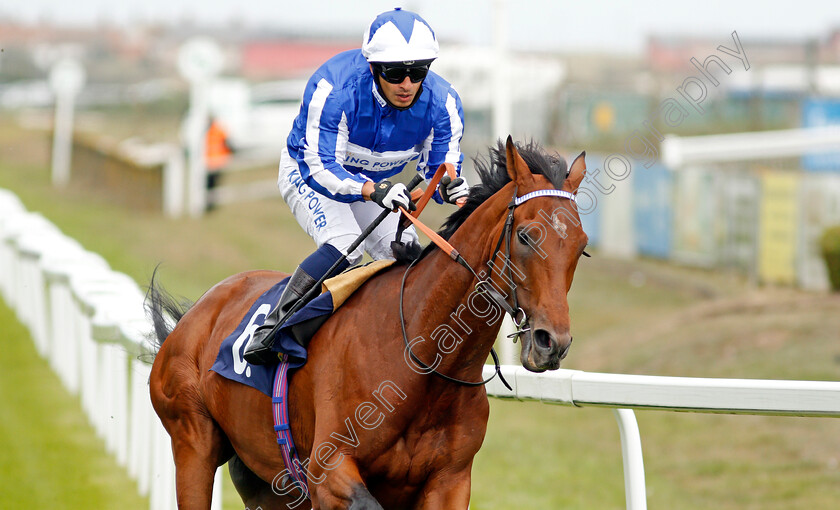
(399,36)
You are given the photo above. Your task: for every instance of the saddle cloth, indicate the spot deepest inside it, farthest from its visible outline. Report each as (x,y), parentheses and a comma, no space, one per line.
(230,362)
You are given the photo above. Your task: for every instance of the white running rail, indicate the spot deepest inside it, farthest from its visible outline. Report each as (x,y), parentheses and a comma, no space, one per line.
(622,392)
(88,322)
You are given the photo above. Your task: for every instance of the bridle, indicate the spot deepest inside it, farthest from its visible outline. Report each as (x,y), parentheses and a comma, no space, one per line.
(484,285)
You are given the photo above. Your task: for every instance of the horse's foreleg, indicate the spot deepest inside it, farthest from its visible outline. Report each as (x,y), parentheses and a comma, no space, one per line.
(340,488)
(446,490)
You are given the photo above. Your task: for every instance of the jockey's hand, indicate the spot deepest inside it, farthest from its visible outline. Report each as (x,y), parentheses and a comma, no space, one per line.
(453,190)
(390,196)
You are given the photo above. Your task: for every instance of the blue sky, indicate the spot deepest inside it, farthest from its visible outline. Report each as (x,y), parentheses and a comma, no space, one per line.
(533,24)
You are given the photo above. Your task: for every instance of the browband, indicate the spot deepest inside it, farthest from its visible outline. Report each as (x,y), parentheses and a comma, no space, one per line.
(544,193)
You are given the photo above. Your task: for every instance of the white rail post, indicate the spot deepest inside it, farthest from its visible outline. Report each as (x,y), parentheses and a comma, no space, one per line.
(634,464)
(174,195)
(141,450)
(11,209)
(199,61)
(67,78)
(507,349)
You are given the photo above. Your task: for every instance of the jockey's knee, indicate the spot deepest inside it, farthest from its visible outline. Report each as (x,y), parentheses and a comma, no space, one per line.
(343,242)
(382,249)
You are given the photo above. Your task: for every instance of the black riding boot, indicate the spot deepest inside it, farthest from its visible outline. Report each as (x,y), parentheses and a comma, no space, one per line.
(258,351)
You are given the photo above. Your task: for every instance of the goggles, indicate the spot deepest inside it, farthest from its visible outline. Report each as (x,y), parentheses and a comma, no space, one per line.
(397,74)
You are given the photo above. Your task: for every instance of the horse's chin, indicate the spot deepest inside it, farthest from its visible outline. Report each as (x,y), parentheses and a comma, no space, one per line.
(530,368)
(532,359)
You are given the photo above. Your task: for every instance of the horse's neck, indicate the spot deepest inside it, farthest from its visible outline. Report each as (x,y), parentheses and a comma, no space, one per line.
(459,324)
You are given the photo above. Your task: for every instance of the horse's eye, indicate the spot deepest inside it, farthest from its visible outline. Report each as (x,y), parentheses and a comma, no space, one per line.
(523,237)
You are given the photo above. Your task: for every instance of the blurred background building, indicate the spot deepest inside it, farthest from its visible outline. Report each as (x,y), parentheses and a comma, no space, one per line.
(758,216)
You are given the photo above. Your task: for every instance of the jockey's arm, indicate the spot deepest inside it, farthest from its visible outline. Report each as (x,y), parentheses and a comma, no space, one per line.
(321,161)
(446,146)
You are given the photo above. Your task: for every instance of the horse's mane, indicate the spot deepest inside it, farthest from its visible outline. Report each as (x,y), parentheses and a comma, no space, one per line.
(493,176)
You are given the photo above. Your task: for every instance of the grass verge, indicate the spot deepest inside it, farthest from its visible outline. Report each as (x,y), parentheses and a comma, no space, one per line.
(51,457)
(628,317)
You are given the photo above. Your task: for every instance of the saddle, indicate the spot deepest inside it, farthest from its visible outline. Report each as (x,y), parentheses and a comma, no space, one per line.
(340,288)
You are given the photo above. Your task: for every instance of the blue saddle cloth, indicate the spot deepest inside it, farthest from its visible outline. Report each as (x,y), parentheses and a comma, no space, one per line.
(230,362)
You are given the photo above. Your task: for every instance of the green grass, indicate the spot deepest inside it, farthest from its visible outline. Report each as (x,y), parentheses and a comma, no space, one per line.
(51,457)
(627,317)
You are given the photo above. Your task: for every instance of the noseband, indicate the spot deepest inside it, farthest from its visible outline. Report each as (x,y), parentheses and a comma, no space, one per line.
(485,286)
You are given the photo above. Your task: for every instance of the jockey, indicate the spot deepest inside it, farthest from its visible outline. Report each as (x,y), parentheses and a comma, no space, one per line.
(366,115)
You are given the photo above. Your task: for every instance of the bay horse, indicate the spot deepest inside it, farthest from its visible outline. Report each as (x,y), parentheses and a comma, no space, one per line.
(377,430)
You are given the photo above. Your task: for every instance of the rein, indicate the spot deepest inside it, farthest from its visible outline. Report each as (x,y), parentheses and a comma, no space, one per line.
(483,286)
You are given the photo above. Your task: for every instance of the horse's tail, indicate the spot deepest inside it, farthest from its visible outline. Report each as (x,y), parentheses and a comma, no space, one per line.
(164,310)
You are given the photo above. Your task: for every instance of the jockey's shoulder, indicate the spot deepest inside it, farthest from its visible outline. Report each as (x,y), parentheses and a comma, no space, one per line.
(343,70)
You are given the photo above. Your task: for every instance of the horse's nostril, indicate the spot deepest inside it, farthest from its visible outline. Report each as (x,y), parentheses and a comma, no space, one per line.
(566,350)
(543,339)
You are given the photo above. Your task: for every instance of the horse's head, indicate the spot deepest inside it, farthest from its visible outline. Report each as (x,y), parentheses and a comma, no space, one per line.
(546,241)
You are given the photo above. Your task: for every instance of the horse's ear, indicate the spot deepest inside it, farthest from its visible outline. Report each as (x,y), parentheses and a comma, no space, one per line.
(517,168)
(576,173)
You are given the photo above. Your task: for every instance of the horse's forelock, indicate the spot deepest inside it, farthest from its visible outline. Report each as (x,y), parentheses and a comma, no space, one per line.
(493,176)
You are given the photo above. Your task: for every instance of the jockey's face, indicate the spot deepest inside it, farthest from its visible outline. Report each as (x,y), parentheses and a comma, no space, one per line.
(399,94)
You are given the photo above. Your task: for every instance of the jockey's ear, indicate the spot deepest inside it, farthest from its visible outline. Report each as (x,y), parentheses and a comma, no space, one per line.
(517,168)
(576,173)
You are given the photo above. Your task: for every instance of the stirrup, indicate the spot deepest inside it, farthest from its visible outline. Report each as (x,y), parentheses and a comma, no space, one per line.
(258,351)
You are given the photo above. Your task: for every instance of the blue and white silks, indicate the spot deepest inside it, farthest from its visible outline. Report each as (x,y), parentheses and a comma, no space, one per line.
(346,133)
